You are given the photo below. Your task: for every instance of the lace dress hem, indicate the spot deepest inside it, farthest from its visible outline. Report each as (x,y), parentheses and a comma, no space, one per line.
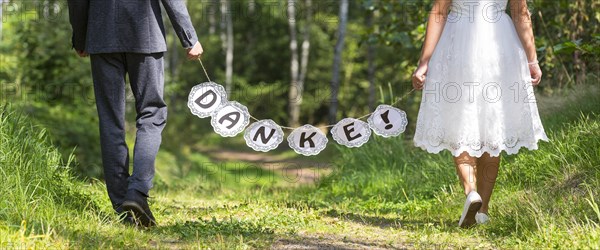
(477,150)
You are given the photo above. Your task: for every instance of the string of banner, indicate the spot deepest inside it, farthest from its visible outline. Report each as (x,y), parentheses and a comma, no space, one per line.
(230,118)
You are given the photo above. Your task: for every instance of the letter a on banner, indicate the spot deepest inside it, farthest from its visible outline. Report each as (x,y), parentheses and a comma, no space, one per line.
(231,119)
(351,132)
(307,140)
(206,98)
(264,135)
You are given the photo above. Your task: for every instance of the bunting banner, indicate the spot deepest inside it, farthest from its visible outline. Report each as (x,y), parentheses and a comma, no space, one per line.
(230,118)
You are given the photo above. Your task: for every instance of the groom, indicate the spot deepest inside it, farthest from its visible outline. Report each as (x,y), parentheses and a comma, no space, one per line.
(127,37)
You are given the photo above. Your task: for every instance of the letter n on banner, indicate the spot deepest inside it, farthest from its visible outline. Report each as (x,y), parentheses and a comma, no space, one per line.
(264,135)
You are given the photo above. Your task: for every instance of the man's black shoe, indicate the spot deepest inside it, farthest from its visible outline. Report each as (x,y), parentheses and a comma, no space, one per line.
(136,204)
(127,219)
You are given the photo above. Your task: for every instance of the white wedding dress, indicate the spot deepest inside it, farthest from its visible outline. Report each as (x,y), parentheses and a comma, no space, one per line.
(478,95)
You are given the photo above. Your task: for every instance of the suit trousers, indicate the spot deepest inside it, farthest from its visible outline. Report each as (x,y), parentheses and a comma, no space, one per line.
(146,77)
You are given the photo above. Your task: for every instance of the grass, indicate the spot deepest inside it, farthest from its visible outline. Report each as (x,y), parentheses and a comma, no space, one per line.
(387,194)
(544,198)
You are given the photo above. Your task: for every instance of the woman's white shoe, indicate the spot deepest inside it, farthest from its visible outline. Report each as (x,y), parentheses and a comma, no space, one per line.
(472,205)
(482,218)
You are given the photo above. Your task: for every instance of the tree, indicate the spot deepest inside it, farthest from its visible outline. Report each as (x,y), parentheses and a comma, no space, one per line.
(298,70)
(1,20)
(305,48)
(337,60)
(212,12)
(227,38)
(371,62)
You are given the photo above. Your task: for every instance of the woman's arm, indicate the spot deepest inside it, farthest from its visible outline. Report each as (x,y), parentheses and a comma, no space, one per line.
(435,26)
(522,19)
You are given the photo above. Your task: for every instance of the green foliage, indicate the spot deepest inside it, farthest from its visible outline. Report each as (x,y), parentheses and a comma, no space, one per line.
(591,48)
(73,130)
(407,175)
(36,186)
(399,24)
(45,79)
(45,67)
(565,37)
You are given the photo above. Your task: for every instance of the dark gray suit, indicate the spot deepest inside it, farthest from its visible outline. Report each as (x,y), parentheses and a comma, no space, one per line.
(128,37)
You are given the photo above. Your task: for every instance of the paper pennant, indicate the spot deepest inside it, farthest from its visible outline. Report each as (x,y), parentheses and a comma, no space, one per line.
(206,98)
(388,121)
(307,140)
(230,119)
(351,132)
(264,135)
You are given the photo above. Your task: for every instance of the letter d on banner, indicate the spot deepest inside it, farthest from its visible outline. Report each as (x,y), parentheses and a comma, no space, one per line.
(206,98)
(307,140)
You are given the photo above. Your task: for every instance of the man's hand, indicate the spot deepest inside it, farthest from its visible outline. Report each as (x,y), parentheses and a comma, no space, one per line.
(82,53)
(195,52)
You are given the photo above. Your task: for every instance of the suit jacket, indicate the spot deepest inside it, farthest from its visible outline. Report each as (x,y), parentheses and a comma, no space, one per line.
(134,26)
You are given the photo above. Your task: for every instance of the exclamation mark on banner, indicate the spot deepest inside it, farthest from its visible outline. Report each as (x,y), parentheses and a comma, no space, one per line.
(386,119)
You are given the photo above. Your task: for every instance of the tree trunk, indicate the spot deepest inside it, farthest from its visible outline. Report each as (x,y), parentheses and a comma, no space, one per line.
(578,32)
(1,18)
(298,70)
(371,67)
(337,60)
(250,38)
(251,7)
(172,59)
(305,47)
(223,25)
(227,37)
(294,92)
(212,22)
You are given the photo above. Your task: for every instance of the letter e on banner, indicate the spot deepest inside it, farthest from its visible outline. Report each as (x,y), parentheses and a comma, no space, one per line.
(351,132)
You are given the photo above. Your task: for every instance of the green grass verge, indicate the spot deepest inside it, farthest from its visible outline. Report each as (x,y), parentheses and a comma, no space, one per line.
(543,198)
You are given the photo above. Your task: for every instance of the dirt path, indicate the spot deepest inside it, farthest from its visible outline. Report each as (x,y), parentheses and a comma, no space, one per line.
(333,242)
(292,169)
(308,172)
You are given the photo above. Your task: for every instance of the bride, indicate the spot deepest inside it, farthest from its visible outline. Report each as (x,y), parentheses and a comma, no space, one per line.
(477,70)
